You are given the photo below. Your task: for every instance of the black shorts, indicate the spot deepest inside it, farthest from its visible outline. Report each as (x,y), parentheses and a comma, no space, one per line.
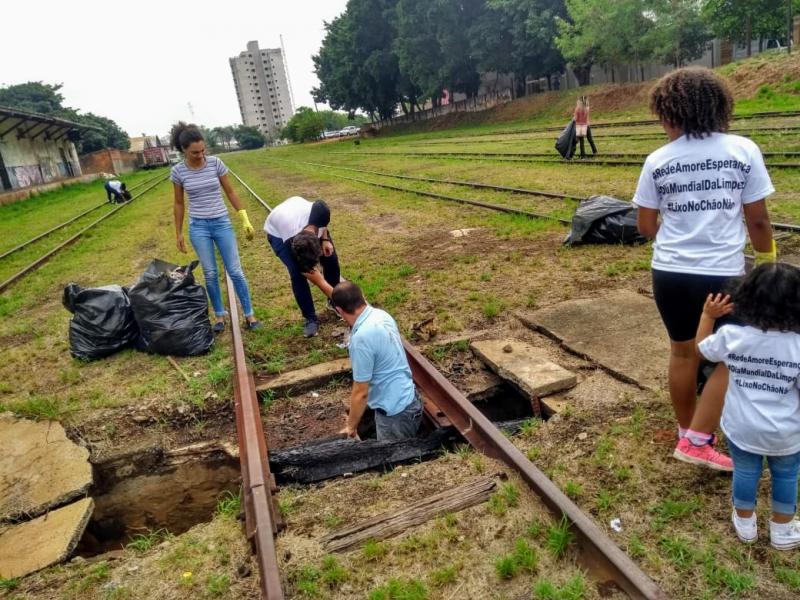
(680,298)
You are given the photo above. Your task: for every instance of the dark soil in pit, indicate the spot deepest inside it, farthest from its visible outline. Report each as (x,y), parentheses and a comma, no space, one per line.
(293,421)
(172,498)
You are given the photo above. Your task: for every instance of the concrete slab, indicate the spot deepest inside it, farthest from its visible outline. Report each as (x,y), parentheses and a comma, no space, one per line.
(622,332)
(40,468)
(303,380)
(524,366)
(44,541)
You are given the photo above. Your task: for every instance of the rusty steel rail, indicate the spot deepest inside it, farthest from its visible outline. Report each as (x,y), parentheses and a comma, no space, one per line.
(600,554)
(257,482)
(261,516)
(44,258)
(65,223)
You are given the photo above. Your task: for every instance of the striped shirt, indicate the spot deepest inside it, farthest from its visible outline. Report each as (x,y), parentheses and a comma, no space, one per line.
(202,187)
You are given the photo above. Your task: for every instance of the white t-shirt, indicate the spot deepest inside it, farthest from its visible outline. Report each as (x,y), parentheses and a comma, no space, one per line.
(115,185)
(289,218)
(762,404)
(699,186)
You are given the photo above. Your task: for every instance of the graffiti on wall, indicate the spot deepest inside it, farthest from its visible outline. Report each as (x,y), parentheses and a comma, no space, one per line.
(27,175)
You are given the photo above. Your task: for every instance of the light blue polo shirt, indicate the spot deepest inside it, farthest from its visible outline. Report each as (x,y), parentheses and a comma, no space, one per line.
(378,357)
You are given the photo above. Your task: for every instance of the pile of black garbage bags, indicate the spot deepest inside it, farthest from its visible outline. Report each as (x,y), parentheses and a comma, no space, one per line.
(166,312)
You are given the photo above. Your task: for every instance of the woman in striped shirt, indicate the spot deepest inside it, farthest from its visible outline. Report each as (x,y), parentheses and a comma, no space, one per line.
(203,178)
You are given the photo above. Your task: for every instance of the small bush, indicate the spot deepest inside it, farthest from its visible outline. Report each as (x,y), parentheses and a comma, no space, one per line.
(559,537)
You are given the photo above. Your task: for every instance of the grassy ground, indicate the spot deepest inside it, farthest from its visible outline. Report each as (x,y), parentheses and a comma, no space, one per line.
(398,247)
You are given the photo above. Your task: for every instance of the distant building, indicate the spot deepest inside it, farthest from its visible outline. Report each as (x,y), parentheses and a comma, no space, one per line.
(36,149)
(262,89)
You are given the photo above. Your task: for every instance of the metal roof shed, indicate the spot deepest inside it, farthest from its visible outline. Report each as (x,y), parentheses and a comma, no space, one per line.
(36,149)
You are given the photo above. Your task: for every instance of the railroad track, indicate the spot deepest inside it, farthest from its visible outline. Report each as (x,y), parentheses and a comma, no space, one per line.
(72,239)
(640,123)
(535,157)
(443,403)
(68,222)
(788,227)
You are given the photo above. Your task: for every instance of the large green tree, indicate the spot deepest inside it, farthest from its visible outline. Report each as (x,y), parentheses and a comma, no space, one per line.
(249,138)
(306,124)
(679,33)
(520,36)
(356,65)
(745,20)
(608,33)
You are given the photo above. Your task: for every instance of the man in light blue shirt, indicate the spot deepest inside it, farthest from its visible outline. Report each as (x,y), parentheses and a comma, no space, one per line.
(381,375)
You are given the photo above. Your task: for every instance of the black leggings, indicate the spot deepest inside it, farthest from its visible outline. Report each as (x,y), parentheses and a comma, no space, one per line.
(680,298)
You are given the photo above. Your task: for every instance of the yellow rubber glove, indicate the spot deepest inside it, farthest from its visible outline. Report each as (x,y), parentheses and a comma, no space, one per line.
(766,257)
(249,232)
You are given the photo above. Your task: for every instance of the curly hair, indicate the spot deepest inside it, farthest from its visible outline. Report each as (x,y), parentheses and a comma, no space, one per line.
(182,135)
(694,99)
(769,297)
(306,249)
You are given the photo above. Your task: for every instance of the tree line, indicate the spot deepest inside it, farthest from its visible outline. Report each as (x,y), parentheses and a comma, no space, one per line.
(380,54)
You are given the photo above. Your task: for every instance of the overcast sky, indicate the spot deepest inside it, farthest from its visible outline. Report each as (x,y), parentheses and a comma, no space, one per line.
(141,63)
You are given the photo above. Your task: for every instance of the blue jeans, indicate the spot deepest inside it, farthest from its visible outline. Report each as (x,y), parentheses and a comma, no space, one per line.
(300,287)
(203,234)
(747,472)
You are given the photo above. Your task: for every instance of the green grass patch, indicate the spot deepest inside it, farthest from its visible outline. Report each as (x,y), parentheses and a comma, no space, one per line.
(574,589)
(400,589)
(559,538)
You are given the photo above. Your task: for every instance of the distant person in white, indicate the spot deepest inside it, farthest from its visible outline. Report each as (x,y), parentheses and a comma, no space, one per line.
(761,417)
(116,191)
(693,194)
(202,178)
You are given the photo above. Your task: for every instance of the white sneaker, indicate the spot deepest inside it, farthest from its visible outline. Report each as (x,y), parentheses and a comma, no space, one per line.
(784,536)
(746,529)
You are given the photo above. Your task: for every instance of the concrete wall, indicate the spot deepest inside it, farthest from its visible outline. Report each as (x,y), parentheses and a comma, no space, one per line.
(39,161)
(109,161)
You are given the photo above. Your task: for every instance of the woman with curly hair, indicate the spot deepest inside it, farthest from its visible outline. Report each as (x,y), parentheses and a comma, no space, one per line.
(692,195)
(761,417)
(202,178)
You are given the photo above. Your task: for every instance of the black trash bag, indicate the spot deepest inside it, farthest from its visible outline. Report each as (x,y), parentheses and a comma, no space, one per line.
(565,144)
(102,321)
(604,220)
(171,311)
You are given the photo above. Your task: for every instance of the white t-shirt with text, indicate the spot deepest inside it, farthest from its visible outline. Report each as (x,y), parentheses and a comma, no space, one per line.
(699,186)
(289,218)
(762,404)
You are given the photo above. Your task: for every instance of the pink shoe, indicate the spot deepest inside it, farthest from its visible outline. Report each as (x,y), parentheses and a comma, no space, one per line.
(702,455)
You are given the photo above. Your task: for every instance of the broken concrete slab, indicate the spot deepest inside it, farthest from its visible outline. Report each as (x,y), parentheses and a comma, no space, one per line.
(44,541)
(40,467)
(621,331)
(302,380)
(526,367)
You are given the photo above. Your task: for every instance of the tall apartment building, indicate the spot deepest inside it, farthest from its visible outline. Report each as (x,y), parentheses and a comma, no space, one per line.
(262,88)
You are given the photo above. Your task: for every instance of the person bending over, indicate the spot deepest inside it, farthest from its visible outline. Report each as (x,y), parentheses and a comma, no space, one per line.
(297,230)
(381,375)
(116,191)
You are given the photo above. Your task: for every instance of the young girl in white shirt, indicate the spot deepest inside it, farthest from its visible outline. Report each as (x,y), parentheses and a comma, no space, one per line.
(761,417)
(695,196)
